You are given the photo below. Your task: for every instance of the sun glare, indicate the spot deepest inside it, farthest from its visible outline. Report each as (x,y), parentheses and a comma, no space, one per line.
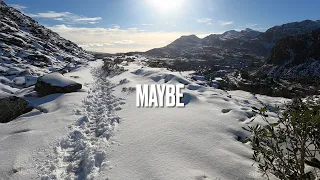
(166,6)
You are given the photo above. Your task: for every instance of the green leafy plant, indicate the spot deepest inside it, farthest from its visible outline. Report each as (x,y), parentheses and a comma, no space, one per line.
(288,147)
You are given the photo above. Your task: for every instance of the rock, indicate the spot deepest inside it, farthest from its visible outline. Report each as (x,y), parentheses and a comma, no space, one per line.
(11,108)
(295,57)
(55,83)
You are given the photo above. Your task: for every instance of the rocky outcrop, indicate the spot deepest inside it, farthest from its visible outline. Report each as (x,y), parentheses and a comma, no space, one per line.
(11,108)
(296,49)
(276,33)
(295,56)
(55,83)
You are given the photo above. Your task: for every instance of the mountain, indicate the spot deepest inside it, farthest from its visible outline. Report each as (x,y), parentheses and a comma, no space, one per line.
(275,33)
(180,47)
(29,50)
(25,44)
(192,46)
(295,56)
(247,41)
(245,34)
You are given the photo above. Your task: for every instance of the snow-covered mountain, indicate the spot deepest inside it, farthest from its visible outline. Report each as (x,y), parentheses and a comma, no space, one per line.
(245,34)
(29,50)
(295,56)
(211,45)
(245,41)
(25,44)
(275,33)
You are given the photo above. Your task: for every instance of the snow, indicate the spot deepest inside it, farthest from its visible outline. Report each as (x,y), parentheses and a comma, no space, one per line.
(28,141)
(99,133)
(25,81)
(14,71)
(3,69)
(6,90)
(194,142)
(57,79)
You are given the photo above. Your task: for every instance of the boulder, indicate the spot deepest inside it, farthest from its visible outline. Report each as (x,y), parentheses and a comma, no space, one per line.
(11,108)
(55,83)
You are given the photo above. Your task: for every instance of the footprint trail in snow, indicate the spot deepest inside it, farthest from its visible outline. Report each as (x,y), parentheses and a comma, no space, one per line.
(81,155)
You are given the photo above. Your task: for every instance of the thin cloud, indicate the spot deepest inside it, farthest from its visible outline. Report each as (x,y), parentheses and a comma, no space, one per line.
(51,15)
(114,39)
(95,45)
(170,24)
(133,29)
(124,42)
(146,24)
(116,26)
(225,23)
(18,6)
(66,17)
(92,22)
(89,19)
(207,21)
(204,20)
(252,26)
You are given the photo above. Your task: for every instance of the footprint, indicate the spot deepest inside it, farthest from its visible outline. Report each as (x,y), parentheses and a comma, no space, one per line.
(238,135)
(225,110)
(75,77)
(225,99)
(21,131)
(203,177)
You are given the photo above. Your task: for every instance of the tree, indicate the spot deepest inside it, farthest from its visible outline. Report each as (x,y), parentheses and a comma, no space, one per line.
(286,147)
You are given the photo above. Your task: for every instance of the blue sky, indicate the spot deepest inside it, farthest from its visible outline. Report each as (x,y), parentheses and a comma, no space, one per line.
(139,25)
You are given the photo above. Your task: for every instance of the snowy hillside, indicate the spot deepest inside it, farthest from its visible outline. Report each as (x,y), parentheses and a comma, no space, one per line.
(296,56)
(28,49)
(275,33)
(99,133)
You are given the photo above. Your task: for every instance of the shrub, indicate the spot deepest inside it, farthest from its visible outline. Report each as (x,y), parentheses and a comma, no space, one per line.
(285,147)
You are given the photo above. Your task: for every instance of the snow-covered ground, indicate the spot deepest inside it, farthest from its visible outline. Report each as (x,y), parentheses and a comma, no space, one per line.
(28,141)
(99,133)
(199,141)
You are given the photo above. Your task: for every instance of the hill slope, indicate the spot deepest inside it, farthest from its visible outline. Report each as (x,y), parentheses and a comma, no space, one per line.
(25,42)
(296,56)
(29,50)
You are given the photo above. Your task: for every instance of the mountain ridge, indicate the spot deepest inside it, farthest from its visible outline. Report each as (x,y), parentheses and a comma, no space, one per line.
(259,43)
(295,56)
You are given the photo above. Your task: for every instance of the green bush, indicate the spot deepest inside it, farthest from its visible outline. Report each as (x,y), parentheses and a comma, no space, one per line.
(284,148)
